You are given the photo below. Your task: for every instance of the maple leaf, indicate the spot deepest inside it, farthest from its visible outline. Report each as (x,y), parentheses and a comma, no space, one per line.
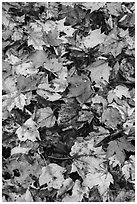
(87,157)
(35,37)
(93,39)
(47,26)
(112,44)
(28,131)
(52,175)
(102,180)
(52,38)
(45,117)
(25,170)
(118,147)
(114,161)
(124,109)
(80,88)
(99,72)
(15,99)
(38,58)
(68,30)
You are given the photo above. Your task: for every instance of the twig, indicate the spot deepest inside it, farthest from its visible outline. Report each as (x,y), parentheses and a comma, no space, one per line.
(60,158)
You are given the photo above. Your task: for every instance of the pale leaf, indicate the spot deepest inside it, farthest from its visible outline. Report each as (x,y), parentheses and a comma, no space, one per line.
(122,91)
(68,30)
(67,185)
(100,73)
(19,150)
(100,179)
(50,96)
(28,131)
(52,175)
(11,59)
(94,38)
(9,84)
(28,196)
(26,69)
(93,5)
(114,8)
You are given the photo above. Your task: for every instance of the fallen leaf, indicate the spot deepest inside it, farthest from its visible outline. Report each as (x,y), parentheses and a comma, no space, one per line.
(99,73)
(36,36)
(112,117)
(28,131)
(118,147)
(52,175)
(78,192)
(93,39)
(67,185)
(101,179)
(9,84)
(122,91)
(128,169)
(26,69)
(112,44)
(45,117)
(50,96)
(28,196)
(12,59)
(17,34)
(114,8)
(93,5)
(25,169)
(38,58)
(53,65)
(19,150)
(85,116)
(68,30)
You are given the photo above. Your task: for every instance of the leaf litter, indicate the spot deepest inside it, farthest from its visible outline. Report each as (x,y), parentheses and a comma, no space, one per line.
(68,97)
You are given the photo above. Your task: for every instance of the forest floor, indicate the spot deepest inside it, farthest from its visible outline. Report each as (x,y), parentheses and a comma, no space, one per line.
(68,96)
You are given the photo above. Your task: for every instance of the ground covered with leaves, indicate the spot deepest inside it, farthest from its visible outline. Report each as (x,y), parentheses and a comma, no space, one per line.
(68,102)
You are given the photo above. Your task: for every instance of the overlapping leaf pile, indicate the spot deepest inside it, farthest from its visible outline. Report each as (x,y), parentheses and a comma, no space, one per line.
(68,101)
